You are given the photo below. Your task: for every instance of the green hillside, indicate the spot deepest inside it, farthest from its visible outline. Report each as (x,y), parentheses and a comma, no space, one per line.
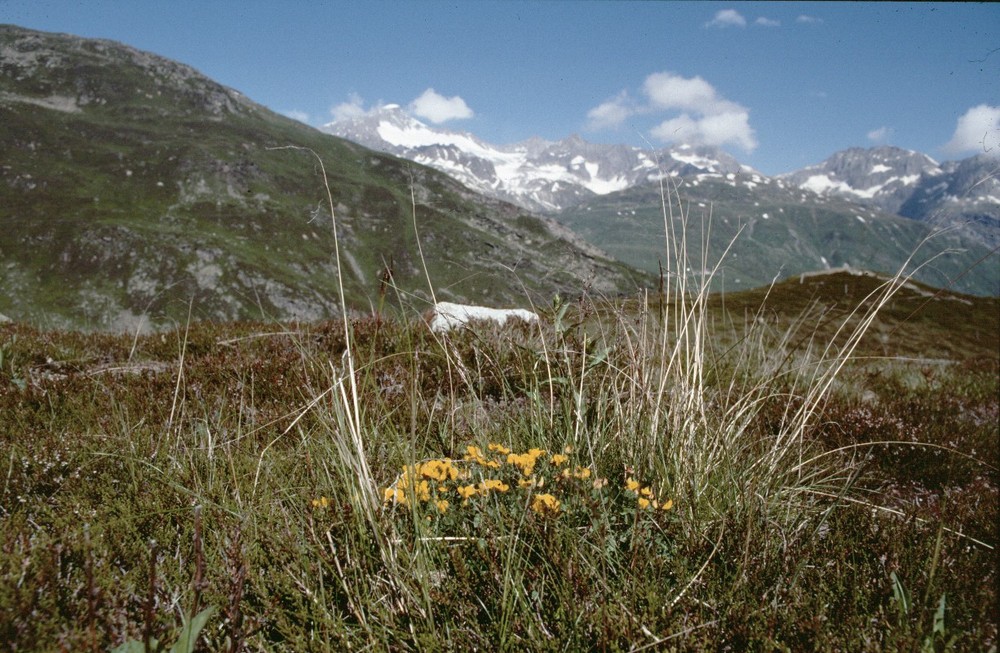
(133,187)
(775,231)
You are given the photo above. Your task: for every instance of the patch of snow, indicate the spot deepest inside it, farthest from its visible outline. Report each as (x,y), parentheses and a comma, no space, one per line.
(820,184)
(695,160)
(447,316)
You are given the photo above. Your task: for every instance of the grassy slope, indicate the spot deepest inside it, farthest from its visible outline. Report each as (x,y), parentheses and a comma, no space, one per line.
(110,442)
(801,230)
(150,186)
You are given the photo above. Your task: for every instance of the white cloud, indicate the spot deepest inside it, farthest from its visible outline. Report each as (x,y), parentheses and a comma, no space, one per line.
(438,108)
(767,22)
(978,130)
(670,91)
(703,117)
(880,135)
(718,130)
(610,114)
(812,20)
(353,108)
(707,118)
(727,18)
(295,114)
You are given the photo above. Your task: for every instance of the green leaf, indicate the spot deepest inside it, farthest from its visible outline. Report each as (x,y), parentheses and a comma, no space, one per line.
(189,634)
(939,617)
(135,646)
(900,594)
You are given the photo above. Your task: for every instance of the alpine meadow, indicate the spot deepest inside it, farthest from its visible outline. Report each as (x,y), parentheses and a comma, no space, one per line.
(738,414)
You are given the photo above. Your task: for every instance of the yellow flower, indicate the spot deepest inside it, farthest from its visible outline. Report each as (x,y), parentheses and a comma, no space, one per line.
(438,470)
(646,492)
(466,491)
(559,459)
(667,505)
(423,491)
(582,473)
(531,481)
(498,448)
(476,455)
(396,495)
(545,503)
(526,461)
(632,485)
(643,503)
(321,502)
(442,505)
(493,484)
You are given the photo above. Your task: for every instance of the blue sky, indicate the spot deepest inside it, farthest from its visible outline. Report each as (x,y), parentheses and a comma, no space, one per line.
(778,85)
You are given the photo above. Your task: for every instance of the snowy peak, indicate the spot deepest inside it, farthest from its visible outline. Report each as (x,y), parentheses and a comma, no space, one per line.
(963,193)
(537,174)
(882,176)
(548,176)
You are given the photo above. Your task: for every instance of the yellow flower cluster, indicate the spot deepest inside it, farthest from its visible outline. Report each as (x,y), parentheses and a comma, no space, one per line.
(322,502)
(434,481)
(526,461)
(414,484)
(645,497)
(545,504)
(475,455)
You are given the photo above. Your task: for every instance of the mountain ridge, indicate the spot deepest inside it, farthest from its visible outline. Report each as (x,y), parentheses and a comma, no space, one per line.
(962,194)
(536,174)
(553,176)
(758,230)
(134,191)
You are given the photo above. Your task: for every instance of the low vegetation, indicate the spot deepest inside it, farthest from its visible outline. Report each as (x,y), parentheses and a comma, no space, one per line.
(660,475)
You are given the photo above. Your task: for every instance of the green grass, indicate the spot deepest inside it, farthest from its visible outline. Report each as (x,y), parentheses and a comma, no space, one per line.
(227,466)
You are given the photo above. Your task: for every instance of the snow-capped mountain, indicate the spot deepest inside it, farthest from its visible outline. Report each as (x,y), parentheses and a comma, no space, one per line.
(882,176)
(965,193)
(550,176)
(536,174)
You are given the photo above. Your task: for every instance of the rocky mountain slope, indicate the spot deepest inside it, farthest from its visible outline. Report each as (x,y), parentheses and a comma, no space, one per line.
(959,194)
(536,174)
(133,188)
(758,229)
